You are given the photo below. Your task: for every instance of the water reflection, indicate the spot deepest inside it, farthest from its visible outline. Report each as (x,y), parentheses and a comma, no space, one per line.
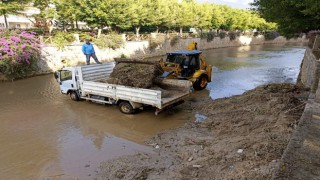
(243,68)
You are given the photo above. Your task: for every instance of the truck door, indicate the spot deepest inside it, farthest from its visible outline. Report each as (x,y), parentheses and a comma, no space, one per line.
(66,81)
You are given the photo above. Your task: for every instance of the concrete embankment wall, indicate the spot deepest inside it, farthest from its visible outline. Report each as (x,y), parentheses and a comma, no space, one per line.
(300,159)
(54,58)
(309,72)
(309,75)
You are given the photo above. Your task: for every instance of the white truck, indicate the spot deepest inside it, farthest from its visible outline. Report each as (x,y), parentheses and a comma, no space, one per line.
(85,82)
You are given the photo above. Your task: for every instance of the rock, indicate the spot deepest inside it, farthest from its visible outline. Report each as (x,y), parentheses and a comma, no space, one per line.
(152,144)
(240,151)
(196,166)
(200,117)
(157,147)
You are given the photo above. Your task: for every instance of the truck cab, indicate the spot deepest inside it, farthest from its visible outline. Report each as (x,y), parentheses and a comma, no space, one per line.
(68,82)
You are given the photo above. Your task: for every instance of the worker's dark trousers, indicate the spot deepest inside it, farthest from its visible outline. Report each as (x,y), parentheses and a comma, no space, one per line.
(93,55)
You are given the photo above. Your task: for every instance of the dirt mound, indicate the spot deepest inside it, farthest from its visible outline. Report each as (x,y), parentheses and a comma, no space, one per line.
(135,74)
(243,137)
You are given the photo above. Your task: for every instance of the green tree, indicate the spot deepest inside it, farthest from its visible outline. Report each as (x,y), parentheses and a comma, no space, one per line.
(203,16)
(159,13)
(217,18)
(291,16)
(93,12)
(12,7)
(183,15)
(227,14)
(47,10)
(68,11)
(139,14)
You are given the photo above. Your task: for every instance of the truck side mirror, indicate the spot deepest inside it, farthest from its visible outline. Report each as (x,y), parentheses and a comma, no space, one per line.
(56,76)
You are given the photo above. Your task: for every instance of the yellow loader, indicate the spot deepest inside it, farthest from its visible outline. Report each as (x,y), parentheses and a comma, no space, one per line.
(188,64)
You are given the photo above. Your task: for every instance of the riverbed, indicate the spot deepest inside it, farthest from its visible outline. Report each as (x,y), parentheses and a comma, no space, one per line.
(45,134)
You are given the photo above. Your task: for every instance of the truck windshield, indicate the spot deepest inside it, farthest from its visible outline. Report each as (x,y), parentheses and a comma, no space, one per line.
(65,75)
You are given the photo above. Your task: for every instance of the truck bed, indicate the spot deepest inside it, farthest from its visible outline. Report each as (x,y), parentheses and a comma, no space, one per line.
(91,85)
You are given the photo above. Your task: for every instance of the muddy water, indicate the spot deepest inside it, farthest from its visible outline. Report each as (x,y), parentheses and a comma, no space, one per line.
(243,68)
(44,134)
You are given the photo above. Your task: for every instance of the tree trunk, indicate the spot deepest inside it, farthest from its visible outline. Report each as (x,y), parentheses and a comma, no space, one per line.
(99,33)
(5,21)
(157,31)
(137,31)
(77,25)
(181,30)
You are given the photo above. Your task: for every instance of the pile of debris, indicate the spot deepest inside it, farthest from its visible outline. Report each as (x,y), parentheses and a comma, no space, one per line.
(241,137)
(135,73)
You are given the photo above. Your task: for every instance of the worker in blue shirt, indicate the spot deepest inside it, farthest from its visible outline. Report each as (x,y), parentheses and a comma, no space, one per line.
(89,52)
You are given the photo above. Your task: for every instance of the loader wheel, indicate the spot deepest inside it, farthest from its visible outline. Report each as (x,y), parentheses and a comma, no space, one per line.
(201,83)
(126,108)
(74,96)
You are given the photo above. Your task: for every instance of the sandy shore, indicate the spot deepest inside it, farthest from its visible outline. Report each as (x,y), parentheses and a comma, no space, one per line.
(243,137)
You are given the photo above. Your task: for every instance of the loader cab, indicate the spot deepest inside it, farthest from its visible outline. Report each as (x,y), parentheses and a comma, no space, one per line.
(188,60)
(187,64)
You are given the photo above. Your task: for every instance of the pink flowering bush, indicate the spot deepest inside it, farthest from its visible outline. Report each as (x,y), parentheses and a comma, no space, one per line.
(19,53)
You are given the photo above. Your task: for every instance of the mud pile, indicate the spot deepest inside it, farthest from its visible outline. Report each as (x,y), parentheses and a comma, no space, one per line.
(243,137)
(135,74)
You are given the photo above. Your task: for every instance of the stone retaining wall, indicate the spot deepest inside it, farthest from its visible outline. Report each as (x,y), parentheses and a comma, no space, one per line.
(309,70)
(54,58)
(300,159)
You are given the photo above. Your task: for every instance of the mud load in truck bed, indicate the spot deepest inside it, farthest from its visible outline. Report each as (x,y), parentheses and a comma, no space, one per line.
(135,73)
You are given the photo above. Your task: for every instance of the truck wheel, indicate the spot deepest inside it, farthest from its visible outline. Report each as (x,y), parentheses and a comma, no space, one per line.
(126,108)
(201,83)
(74,96)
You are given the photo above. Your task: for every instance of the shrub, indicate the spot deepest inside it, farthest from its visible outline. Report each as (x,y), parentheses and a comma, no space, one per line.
(204,35)
(233,35)
(84,36)
(222,34)
(38,31)
(19,53)
(248,33)
(153,43)
(185,35)
(210,37)
(112,40)
(123,56)
(61,39)
(255,34)
(193,35)
(271,35)
(174,40)
(156,42)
